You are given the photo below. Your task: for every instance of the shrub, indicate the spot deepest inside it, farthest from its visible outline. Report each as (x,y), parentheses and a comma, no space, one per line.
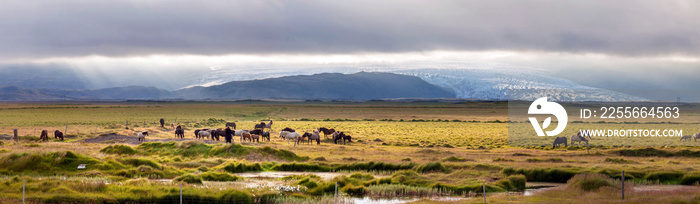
(301,167)
(589,182)
(432,167)
(618,160)
(282,154)
(138,162)
(118,149)
(690,179)
(454,159)
(213,176)
(236,196)
(189,178)
(515,182)
(663,177)
(355,190)
(542,175)
(232,167)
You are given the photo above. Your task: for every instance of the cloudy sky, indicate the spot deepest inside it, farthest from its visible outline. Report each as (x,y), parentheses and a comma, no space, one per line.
(609,44)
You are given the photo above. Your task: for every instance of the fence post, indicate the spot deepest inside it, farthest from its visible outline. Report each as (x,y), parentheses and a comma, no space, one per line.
(23,183)
(483,186)
(336,192)
(623,185)
(66,130)
(16,137)
(180,192)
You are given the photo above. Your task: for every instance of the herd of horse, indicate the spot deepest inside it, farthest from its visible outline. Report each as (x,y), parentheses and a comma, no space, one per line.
(258,132)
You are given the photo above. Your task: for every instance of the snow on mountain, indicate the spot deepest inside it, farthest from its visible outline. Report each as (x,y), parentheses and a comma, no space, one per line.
(467,79)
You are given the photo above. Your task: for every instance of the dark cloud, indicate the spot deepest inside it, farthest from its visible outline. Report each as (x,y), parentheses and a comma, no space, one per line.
(37,29)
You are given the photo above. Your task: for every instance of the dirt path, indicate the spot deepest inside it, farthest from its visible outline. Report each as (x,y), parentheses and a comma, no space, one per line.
(115,138)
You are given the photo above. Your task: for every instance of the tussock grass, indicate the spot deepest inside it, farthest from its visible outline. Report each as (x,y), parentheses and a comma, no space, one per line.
(118,149)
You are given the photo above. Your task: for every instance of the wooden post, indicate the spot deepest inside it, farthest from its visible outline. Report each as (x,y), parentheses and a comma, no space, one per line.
(16,137)
(66,131)
(180,192)
(484,187)
(336,192)
(623,185)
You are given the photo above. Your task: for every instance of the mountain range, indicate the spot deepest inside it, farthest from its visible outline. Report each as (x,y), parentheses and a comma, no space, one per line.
(324,86)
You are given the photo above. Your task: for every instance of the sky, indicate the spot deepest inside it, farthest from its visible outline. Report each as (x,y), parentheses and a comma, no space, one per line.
(607,44)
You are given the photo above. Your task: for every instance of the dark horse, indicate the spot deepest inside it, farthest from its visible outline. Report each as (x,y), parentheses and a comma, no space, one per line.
(341,136)
(217,134)
(44,135)
(288,129)
(260,126)
(179,132)
(162,122)
(196,133)
(58,134)
(266,134)
(326,131)
(231,124)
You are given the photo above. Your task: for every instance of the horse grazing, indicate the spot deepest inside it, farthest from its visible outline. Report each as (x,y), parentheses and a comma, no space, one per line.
(686,137)
(290,136)
(172,126)
(288,129)
(578,138)
(231,124)
(326,131)
(162,123)
(301,139)
(697,136)
(44,135)
(58,134)
(142,136)
(341,136)
(179,132)
(558,141)
(314,136)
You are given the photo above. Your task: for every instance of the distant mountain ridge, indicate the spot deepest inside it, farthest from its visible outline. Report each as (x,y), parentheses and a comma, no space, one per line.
(325,86)
(361,85)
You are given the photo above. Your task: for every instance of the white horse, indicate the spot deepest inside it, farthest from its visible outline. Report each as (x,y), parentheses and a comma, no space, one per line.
(268,125)
(142,136)
(686,137)
(578,138)
(315,136)
(697,136)
(204,133)
(290,136)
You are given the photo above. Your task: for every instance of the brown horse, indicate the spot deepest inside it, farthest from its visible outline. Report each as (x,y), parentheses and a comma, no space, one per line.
(326,131)
(58,135)
(288,129)
(44,135)
(341,136)
(246,135)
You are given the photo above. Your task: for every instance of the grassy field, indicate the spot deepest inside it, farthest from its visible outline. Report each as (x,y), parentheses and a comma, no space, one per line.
(420,150)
